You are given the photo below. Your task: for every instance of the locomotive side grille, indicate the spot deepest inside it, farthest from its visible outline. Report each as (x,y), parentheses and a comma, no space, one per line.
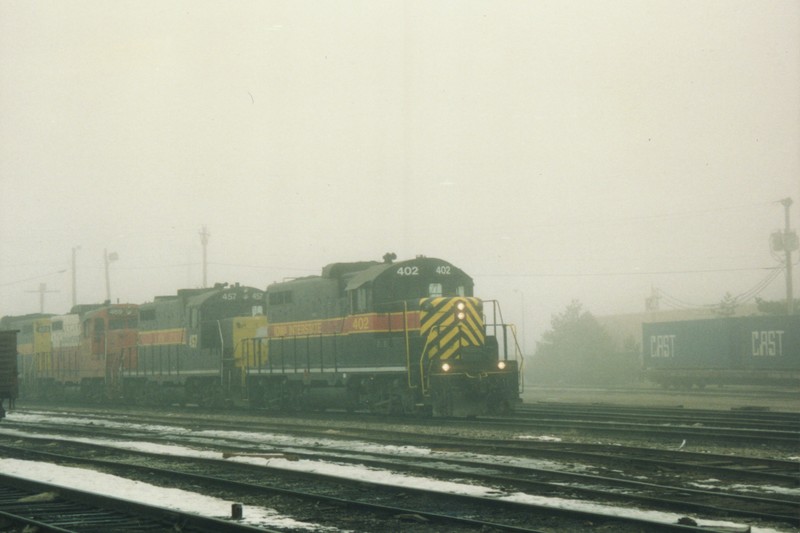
(449,324)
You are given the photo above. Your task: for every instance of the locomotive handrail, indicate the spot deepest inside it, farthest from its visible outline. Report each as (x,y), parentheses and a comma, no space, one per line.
(222,352)
(519,356)
(408,350)
(423,376)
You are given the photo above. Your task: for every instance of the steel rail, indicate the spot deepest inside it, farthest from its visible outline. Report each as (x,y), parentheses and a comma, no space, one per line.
(71,510)
(469,501)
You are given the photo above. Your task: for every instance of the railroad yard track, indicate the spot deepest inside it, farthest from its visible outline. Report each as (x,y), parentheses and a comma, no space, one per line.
(753,418)
(732,427)
(33,506)
(518,483)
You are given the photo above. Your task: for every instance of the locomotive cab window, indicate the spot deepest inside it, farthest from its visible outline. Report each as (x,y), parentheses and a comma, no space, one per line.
(359,300)
(435,289)
(278,298)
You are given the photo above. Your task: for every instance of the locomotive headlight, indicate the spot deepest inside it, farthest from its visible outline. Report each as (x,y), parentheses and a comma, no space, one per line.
(460,314)
(446,367)
(501,365)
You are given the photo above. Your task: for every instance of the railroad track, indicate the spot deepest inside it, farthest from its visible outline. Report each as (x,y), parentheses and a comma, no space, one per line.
(733,428)
(718,434)
(745,419)
(36,506)
(342,498)
(726,466)
(779,431)
(604,488)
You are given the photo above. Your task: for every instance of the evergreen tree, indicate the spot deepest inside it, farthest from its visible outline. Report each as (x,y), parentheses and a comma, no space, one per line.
(576,350)
(776,307)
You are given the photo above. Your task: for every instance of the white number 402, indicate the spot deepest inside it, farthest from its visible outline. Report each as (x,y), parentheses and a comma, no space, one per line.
(408,271)
(443,269)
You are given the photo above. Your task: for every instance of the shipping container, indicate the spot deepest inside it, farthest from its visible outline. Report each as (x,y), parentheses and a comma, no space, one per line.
(733,350)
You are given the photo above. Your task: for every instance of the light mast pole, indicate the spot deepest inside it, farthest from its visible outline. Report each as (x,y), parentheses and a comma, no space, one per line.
(787,248)
(204,235)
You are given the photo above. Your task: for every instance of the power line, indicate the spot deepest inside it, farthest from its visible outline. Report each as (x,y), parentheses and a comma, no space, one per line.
(611,221)
(32,278)
(736,300)
(268,267)
(625,273)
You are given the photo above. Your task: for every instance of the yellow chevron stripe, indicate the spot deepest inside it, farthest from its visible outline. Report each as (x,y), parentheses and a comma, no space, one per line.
(444,334)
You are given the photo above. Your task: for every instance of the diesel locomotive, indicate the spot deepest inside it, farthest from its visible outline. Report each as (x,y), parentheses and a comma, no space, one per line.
(184,348)
(191,346)
(79,354)
(388,337)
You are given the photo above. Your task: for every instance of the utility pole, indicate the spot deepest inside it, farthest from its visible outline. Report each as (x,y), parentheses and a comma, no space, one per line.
(204,235)
(522,304)
(789,245)
(108,258)
(42,290)
(651,303)
(74,277)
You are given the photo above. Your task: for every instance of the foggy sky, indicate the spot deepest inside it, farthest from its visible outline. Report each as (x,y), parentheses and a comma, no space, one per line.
(553,150)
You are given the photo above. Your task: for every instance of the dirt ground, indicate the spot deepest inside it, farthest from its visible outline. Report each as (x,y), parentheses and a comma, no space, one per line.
(710,398)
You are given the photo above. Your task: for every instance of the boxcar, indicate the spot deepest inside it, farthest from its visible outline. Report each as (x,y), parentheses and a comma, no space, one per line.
(8,369)
(735,350)
(33,347)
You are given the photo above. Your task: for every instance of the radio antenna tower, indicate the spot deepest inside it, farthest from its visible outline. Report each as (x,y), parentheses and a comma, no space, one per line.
(204,235)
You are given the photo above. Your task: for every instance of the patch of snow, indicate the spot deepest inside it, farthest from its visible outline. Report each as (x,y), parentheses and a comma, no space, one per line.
(539,438)
(270,442)
(175,499)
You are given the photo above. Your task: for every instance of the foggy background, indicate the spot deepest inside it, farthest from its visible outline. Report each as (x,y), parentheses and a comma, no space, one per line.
(553,150)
